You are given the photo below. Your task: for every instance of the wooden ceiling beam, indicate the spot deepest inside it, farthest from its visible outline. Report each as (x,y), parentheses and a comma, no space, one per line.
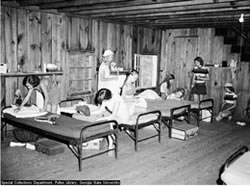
(175,13)
(188,25)
(106,9)
(175,22)
(186,19)
(38,2)
(223,14)
(83,4)
(76,4)
(171,10)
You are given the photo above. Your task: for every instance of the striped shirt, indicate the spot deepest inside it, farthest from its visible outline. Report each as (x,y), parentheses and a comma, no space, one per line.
(200,74)
(230,97)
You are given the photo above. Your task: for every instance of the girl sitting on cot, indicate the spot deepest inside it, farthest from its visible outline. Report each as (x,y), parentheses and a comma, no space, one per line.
(229,103)
(178,94)
(47,87)
(165,86)
(114,104)
(128,91)
(128,87)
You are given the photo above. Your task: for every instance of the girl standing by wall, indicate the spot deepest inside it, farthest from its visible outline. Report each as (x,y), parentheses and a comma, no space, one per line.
(198,81)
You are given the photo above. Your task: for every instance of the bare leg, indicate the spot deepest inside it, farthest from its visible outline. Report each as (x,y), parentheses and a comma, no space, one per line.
(111,143)
(54,109)
(196,97)
(49,108)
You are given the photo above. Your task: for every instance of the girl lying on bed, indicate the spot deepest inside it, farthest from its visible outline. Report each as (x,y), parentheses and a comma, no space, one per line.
(178,94)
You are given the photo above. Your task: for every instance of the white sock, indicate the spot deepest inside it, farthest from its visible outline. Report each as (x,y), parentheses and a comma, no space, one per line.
(30,146)
(16,144)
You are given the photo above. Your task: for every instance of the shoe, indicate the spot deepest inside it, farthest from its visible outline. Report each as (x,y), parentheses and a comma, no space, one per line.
(30,146)
(240,123)
(16,144)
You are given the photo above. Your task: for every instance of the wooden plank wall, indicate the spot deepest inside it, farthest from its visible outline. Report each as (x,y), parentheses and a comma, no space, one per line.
(35,38)
(213,50)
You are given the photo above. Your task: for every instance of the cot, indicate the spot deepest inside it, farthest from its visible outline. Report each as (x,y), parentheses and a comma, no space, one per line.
(70,131)
(197,108)
(140,119)
(169,109)
(235,171)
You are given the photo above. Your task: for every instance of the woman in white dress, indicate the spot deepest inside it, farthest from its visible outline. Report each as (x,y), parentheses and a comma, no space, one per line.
(105,79)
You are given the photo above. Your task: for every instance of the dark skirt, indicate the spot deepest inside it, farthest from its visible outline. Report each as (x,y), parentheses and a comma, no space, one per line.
(199,88)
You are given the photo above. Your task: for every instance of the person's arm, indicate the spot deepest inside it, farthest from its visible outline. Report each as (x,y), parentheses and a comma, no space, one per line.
(46,96)
(163,91)
(99,111)
(104,78)
(192,80)
(124,90)
(26,99)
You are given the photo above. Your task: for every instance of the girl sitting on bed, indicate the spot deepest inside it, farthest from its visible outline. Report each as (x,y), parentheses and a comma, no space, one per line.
(178,94)
(128,87)
(114,104)
(165,86)
(128,91)
(47,87)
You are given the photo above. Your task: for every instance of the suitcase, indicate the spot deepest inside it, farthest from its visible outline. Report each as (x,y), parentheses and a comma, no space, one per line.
(184,131)
(49,147)
(96,144)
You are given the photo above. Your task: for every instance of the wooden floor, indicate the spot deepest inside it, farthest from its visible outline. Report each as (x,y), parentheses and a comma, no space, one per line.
(196,161)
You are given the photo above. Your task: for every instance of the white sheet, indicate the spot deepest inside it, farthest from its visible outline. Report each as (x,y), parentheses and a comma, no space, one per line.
(72,110)
(25,112)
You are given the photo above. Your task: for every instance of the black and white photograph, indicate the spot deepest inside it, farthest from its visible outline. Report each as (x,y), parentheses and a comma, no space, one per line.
(125,92)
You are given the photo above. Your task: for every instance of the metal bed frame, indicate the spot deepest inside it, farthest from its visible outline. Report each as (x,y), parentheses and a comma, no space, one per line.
(133,130)
(74,144)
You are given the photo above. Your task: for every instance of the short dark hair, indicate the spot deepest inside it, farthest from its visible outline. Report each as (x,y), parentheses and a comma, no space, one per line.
(31,79)
(182,90)
(102,94)
(167,79)
(200,60)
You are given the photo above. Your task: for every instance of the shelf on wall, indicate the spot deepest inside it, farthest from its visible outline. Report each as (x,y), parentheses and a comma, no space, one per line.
(20,74)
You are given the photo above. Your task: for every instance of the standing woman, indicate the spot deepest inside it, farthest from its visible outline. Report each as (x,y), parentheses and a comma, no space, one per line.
(199,78)
(105,80)
(165,86)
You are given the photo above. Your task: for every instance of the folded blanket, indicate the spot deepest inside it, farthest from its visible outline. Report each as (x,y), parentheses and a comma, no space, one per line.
(25,112)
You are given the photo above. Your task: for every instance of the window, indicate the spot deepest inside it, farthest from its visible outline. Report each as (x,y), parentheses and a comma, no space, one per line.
(146,65)
(80,73)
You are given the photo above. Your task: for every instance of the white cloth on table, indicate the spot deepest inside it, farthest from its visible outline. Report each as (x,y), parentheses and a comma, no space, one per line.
(25,112)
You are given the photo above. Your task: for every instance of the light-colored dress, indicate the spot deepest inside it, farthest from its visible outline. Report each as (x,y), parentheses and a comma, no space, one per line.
(113,85)
(122,115)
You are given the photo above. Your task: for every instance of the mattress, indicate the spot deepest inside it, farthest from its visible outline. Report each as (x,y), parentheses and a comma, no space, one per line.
(65,126)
